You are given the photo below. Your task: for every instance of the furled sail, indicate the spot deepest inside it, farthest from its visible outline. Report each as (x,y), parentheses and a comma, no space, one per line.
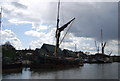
(64,26)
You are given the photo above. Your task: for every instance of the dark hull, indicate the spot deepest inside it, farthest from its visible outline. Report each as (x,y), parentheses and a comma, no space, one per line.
(13,65)
(48,62)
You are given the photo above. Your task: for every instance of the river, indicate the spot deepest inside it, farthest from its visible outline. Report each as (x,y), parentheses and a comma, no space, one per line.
(88,71)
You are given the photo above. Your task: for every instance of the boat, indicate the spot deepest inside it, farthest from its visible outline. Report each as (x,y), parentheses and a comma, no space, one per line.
(101,57)
(53,59)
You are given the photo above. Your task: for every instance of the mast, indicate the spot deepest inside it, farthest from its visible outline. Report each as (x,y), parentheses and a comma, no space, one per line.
(59,30)
(102,44)
(58,14)
(57,39)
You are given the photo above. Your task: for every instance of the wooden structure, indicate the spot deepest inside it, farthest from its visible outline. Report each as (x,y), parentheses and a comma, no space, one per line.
(59,30)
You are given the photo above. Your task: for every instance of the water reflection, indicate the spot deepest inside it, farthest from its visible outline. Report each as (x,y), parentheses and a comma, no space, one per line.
(88,71)
(52,73)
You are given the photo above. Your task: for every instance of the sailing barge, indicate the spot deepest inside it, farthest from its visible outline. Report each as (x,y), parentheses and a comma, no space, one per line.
(45,58)
(101,57)
(56,61)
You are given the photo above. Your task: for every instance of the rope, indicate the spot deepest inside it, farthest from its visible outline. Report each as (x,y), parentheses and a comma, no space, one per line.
(65,33)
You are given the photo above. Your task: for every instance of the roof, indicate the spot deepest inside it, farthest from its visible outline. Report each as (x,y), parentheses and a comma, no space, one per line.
(41,51)
(71,53)
(50,48)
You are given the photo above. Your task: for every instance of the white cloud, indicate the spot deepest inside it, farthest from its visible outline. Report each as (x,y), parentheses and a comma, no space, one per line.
(39,26)
(112,46)
(43,37)
(88,44)
(15,21)
(36,44)
(82,43)
(8,35)
(35,33)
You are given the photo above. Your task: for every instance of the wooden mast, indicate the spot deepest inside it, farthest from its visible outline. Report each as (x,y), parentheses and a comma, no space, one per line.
(57,39)
(59,30)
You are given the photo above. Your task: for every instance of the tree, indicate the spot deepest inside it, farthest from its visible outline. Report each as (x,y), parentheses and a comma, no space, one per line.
(8,50)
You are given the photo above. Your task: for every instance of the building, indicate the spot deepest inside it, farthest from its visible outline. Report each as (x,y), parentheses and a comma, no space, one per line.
(69,53)
(47,50)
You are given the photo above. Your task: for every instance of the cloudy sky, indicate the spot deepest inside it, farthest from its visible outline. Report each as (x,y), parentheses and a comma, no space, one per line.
(31,23)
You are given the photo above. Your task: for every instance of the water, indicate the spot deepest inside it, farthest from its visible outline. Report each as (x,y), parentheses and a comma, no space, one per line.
(88,71)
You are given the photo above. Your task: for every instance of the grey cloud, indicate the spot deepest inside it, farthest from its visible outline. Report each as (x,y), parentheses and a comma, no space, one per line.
(6,11)
(11,13)
(19,5)
(68,40)
(19,15)
(90,19)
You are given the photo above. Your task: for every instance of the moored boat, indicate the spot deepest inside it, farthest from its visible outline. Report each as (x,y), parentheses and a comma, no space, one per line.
(101,57)
(48,61)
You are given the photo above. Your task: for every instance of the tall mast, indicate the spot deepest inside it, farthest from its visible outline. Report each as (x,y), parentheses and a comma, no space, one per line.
(58,14)
(57,39)
(59,30)
(102,42)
